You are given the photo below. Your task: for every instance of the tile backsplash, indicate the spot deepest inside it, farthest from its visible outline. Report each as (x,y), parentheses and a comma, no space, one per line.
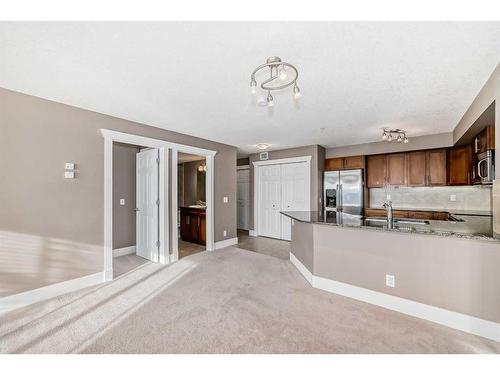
(477,198)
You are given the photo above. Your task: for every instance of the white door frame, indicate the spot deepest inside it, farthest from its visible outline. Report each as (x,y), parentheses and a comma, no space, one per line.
(256,183)
(209,196)
(165,257)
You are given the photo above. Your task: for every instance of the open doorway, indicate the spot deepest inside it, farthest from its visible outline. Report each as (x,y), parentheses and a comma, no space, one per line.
(136,200)
(191,203)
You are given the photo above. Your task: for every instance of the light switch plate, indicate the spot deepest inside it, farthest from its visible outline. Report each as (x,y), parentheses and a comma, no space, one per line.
(226,199)
(69,166)
(225,233)
(388,196)
(69,174)
(390,281)
(122,202)
(453,197)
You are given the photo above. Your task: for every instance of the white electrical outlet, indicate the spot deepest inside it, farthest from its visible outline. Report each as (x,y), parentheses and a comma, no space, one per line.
(389,196)
(69,166)
(224,233)
(390,281)
(69,174)
(122,202)
(226,199)
(453,197)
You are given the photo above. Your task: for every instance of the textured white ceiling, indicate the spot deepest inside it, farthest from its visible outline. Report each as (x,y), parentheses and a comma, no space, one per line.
(356,78)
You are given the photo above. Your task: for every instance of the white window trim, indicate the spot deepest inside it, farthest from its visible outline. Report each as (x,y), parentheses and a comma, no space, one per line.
(111,136)
(256,183)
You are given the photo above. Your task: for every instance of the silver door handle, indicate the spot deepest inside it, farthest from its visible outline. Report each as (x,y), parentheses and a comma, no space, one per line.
(479,169)
(136,209)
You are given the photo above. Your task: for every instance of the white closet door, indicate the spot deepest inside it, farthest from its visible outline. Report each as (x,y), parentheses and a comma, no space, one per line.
(295,193)
(270,201)
(243,196)
(147,204)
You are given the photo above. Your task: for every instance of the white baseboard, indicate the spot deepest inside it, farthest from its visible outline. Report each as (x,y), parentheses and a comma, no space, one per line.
(50,291)
(462,322)
(123,251)
(229,242)
(302,269)
(252,233)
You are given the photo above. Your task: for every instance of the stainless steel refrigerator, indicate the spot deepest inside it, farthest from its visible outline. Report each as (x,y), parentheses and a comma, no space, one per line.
(343,191)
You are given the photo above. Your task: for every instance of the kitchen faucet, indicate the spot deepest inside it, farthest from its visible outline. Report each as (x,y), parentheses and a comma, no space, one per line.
(388,206)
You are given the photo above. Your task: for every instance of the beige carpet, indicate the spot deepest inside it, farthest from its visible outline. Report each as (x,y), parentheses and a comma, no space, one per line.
(227,301)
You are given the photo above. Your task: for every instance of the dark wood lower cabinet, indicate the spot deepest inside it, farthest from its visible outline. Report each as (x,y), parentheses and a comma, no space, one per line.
(193,225)
(422,215)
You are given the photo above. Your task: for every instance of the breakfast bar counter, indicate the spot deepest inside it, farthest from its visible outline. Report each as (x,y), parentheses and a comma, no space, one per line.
(441,271)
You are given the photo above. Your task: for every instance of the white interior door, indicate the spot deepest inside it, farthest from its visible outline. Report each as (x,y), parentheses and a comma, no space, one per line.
(269,220)
(147,201)
(295,193)
(243,196)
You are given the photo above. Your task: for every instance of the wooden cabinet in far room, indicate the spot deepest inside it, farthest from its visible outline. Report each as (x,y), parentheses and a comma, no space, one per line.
(460,165)
(416,167)
(436,167)
(396,169)
(376,171)
(193,225)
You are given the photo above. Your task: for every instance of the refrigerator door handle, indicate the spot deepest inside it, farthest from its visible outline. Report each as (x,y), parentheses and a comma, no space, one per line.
(341,198)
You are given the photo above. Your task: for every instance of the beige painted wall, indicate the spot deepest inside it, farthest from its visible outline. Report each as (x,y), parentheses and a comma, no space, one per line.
(52,228)
(416,143)
(124,188)
(317,164)
(452,273)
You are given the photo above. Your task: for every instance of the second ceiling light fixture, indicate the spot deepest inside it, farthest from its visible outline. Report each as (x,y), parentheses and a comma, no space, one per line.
(281,76)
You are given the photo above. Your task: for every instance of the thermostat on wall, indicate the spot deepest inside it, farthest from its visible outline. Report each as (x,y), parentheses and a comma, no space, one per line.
(264,155)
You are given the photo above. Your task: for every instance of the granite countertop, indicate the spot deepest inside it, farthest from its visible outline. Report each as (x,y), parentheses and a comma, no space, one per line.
(472,227)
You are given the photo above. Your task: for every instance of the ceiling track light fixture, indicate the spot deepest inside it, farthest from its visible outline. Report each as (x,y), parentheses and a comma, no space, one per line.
(395,134)
(281,76)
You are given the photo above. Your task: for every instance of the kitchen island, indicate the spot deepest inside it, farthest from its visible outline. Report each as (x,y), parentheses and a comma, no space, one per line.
(446,272)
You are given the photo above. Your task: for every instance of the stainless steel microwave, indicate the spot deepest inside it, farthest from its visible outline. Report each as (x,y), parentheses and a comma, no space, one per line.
(485,167)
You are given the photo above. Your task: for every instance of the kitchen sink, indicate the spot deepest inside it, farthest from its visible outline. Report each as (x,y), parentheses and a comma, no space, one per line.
(380,219)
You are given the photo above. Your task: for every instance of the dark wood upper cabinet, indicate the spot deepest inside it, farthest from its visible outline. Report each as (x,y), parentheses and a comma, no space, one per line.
(485,140)
(354,162)
(334,164)
(375,171)
(350,162)
(416,167)
(436,167)
(460,165)
(396,169)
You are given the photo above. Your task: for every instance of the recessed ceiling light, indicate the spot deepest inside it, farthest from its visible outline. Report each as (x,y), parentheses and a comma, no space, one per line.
(262,146)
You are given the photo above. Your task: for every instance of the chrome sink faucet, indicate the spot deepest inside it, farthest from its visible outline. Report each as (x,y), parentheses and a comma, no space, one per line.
(388,206)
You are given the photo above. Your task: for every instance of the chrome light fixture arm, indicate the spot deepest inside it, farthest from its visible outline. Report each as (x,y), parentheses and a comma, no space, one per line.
(273,77)
(276,71)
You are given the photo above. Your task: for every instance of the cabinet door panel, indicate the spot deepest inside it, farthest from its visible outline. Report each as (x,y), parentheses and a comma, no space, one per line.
(460,164)
(396,169)
(436,167)
(417,174)
(334,164)
(376,171)
(354,162)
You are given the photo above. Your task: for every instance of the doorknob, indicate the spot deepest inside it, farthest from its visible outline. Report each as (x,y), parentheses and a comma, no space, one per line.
(136,209)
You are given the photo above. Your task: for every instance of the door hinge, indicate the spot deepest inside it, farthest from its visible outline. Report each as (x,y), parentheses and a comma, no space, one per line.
(157,243)
(158,160)
(157,202)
